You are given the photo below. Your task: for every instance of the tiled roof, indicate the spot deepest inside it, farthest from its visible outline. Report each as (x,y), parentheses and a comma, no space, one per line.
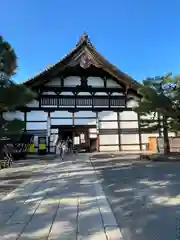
(84,44)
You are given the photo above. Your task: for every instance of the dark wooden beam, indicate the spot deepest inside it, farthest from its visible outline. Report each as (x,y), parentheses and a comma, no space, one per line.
(119,130)
(97,127)
(71,127)
(49,118)
(25,121)
(93,109)
(73,118)
(105,81)
(139,132)
(80,89)
(62,81)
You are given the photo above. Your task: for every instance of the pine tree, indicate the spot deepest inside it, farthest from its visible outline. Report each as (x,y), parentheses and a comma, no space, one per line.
(159,98)
(12,95)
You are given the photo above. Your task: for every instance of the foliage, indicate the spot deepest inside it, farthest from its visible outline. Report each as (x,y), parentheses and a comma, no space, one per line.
(12,95)
(160,99)
(8,58)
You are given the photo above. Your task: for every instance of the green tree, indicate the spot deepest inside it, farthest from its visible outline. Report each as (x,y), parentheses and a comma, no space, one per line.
(12,95)
(159,98)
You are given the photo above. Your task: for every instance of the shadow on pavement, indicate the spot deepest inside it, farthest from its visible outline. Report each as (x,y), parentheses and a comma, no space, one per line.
(49,207)
(144,196)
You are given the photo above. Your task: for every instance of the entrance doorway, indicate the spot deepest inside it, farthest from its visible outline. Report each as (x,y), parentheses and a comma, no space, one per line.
(93,144)
(65,134)
(79,135)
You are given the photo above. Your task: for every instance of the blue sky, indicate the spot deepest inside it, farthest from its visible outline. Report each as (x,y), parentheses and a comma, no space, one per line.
(141,37)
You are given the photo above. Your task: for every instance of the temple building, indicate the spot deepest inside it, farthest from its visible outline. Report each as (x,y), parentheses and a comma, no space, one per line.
(88,99)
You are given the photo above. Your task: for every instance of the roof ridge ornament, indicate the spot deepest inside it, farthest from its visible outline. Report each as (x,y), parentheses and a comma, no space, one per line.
(85,36)
(84,39)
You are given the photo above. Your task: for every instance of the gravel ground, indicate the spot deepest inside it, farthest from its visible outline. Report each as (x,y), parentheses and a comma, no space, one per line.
(144,196)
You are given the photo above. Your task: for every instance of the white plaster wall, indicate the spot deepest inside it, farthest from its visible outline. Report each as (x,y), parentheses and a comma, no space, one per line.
(84,121)
(129,139)
(128,124)
(72,81)
(67,94)
(101,94)
(35,126)
(61,121)
(36,115)
(128,115)
(84,94)
(95,82)
(59,115)
(85,115)
(107,115)
(116,94)
(108,125)
(54,82)
(109,148)
(108,139)
(112,83)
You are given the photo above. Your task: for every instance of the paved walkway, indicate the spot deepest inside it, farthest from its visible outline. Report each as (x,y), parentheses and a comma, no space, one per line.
(64,202)
(20,171)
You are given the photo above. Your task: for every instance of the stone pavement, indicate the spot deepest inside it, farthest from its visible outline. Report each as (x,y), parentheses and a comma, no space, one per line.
(65,201)
(12,177)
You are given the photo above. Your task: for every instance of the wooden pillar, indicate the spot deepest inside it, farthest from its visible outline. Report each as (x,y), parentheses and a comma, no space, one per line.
(139,131)
(119,130)
(73,116)
(73,133)
(97,128)
(25,121)
(49,130)
(160,125)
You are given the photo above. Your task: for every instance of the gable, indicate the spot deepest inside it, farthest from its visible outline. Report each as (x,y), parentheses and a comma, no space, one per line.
(86,57)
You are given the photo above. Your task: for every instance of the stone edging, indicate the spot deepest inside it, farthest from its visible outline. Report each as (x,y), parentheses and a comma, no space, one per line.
(110,224)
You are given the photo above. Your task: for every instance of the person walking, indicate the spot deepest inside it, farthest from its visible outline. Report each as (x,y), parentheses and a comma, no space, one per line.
(59,148)
(63,149)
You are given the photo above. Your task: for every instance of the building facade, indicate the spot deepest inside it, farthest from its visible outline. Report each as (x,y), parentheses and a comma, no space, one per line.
(87,98)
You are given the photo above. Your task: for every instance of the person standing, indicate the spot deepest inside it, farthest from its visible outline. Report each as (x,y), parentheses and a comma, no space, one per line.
(69,143)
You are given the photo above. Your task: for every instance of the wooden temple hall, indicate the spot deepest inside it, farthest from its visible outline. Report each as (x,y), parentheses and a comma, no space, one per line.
(86,98)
